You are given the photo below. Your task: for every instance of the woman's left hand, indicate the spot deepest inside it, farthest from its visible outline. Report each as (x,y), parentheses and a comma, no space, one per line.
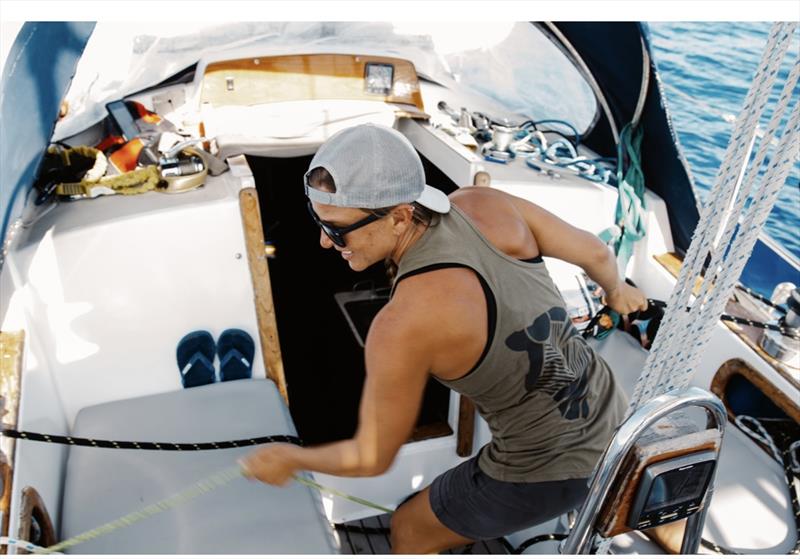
(274,464)
(626,299)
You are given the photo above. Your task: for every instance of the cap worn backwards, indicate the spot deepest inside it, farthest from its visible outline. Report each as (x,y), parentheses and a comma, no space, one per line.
(373,166)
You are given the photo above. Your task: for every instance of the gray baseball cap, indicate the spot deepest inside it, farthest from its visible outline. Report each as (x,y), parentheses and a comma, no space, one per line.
(373,166)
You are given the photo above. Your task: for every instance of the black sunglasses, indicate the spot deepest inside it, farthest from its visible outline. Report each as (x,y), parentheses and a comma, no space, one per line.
(336,234)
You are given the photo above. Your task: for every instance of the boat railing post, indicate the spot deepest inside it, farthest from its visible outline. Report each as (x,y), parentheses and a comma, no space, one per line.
(580,537)
(693,532)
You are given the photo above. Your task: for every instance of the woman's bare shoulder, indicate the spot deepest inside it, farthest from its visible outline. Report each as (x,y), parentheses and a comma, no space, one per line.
(494,213)
(431,305)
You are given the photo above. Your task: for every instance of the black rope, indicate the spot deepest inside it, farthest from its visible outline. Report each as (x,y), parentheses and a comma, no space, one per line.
(507,545)
(794,497)
(761,298)
(716,548)
(139,445)
(537,539)
(792,333)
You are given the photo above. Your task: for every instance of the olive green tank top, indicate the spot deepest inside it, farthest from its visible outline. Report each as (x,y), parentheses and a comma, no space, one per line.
(550,402)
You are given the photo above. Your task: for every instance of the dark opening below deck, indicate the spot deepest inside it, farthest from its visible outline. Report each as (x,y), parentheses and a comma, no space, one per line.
(323,360)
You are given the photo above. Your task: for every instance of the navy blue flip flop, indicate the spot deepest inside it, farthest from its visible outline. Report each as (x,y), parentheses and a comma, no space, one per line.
(195,355)
(236,350)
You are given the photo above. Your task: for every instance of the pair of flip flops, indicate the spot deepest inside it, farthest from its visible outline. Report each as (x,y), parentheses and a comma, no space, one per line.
(235,349)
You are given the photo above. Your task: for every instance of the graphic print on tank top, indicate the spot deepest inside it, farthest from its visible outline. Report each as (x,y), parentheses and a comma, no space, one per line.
(559,361)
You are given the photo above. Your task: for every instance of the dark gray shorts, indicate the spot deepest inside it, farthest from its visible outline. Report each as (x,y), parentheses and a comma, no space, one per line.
(479,507)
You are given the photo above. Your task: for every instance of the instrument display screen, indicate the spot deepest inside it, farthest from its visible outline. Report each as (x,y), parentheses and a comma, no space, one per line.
(676,486)
(672,489)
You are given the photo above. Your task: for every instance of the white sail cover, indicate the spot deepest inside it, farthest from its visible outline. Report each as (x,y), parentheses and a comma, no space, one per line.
(511,63)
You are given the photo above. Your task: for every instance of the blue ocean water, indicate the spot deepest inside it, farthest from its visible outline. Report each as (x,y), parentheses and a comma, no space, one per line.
(707,69)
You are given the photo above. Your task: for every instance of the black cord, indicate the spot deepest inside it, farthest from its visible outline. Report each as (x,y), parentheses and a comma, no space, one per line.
(536,539)
(793,497)
(716,548)
(138,445)
(507,545)
(793,333)
(568,138)
(761,298)
(575,140)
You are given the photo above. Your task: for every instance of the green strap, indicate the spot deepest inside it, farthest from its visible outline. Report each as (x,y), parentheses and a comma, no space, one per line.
(629,216)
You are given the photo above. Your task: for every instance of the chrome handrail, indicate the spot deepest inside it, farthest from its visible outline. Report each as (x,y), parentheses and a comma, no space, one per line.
(579,540)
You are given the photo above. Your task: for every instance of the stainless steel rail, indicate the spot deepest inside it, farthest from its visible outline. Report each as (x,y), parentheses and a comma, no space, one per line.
(581,536)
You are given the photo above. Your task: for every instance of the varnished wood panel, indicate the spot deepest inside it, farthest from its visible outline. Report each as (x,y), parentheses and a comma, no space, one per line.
(735,367)
(430,431)
(272,79)
(672,263)
(466,426)
(6,474)
(12,345)
(33,507)
(262,288)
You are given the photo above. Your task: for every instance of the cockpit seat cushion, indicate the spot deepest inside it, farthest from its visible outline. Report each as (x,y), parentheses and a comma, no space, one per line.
(239,518)
(751,510)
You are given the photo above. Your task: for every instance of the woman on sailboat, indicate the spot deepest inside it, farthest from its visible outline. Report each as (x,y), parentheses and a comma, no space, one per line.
(472,305)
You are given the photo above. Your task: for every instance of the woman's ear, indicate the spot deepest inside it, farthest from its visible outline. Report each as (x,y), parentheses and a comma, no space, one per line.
(402,218)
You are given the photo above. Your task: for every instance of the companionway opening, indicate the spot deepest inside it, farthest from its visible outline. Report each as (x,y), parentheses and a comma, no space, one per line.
(323,359)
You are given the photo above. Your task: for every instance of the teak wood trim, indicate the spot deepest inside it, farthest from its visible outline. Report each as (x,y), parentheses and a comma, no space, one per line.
(430,431)
(732,367)
(466,426)
(6,474)
(672,263)
(12,345)
(33,505)
(271,79)
(262,289)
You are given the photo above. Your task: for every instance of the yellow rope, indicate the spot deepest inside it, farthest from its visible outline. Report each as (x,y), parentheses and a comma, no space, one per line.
(359,500)
(201,487)
(133,182)
(137,181)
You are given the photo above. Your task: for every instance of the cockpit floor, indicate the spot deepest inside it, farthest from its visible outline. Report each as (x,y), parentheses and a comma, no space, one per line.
(370,536)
